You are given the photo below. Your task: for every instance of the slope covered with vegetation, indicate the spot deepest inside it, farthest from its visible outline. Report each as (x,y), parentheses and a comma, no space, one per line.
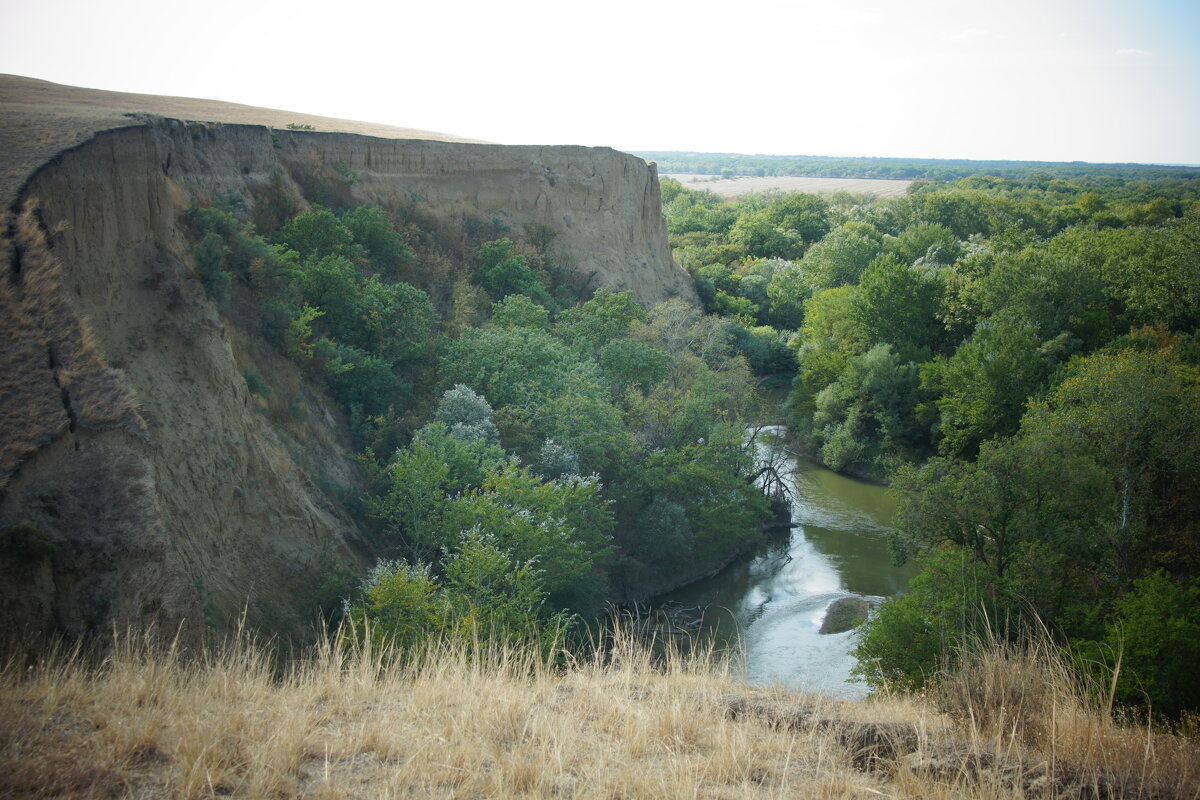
(529,454)
(1019,359)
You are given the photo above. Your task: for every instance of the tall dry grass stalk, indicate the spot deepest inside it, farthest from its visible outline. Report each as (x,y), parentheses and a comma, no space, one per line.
(360,719)
(1023,706)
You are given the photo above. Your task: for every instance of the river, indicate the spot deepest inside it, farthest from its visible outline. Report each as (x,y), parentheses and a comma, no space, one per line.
(772,604)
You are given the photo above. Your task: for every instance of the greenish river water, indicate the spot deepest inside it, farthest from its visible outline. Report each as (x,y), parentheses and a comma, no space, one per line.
(772,603)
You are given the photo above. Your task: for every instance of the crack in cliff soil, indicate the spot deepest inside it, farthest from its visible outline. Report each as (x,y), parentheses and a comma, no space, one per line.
(72,417)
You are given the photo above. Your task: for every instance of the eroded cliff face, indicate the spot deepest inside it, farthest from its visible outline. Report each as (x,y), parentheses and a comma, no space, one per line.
(156,489)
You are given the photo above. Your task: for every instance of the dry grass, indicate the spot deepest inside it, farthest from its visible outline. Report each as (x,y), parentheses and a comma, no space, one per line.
(1026,709)
(743,185)
(148,722)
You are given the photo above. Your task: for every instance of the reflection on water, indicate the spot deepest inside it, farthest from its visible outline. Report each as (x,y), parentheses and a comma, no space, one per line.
(773,603)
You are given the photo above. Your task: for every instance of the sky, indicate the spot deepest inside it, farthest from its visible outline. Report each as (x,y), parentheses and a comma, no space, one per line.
(1058,80)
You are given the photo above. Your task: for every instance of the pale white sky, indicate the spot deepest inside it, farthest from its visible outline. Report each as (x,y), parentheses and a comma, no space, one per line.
(1091,80)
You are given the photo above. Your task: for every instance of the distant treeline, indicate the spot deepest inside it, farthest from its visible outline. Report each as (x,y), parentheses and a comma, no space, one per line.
(731,164)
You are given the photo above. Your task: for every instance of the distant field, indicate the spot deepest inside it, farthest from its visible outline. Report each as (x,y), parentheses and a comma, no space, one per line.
(732,187)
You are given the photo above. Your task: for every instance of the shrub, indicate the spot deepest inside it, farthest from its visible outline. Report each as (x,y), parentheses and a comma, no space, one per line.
(402,601)
(256,383)
(209,254)
(1156,629)
(467,416)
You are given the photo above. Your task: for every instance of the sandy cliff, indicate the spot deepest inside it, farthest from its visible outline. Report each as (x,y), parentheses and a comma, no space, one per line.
(147,483)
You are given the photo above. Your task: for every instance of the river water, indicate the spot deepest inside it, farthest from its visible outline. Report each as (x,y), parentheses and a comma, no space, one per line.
(772,604)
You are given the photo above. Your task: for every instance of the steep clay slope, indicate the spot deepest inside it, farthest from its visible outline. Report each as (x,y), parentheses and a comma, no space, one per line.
(130,438)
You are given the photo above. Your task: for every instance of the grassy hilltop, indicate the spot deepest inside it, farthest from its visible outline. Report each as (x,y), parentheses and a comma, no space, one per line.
(457,721)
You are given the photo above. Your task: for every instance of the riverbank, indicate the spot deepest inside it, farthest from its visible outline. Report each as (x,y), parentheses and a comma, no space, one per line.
(452,723)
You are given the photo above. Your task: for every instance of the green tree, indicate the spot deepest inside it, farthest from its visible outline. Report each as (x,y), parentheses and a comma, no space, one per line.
(983,388)
(518,311)
(898,305)
(402,602)
(840,257)
(932,242)
(494,597)
(562,526)
(503,271)
(412,506)
(510,367)
(1156,630)
(316,233)
(607,316)
(384,248)
(466,415)
(868,412)
(831,335)
(1136,415)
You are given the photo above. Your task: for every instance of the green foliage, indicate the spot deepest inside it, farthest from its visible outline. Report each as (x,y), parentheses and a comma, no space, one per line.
(993,505)
(909,638)
(385,249)
(402,602)
(562,526)
(898,305)
(495,598)
(931,243)
(504,271)
(317,232)
(362,380)
(298,337)
(784,228)
(831,335)
(726,513)
(840,258)
(556,461)
(256,383)
(1156,633)
(607,316)
(983,388)
(629,363)
(411,508)
(1135,417)
(664,543)
(209,254)
(518,311)
(484,597)
(468,460)
(868,411)
(507,366)
(467,416)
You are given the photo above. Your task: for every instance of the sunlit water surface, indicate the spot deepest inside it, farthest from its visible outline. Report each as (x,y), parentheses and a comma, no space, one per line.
(772,604)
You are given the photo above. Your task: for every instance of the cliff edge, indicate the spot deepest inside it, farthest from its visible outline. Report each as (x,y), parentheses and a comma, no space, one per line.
(140,480)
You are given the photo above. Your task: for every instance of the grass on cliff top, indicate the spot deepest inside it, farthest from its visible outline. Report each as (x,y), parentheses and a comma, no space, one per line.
(452,722)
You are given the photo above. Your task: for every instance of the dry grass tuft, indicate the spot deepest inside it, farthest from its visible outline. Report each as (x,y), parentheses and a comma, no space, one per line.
(462,721)
(1025,717)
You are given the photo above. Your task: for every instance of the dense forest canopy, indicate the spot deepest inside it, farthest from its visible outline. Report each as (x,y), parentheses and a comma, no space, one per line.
(936,169)
(1019,358)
